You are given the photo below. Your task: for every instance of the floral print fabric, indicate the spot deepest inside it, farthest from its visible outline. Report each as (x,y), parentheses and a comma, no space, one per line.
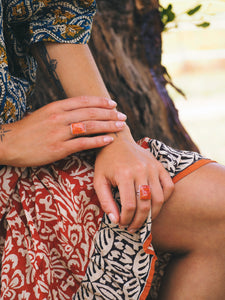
(58,242)
(51,216)
(25,22)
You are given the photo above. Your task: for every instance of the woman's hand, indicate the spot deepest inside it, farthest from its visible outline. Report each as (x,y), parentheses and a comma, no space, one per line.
(45,136)
(127,165)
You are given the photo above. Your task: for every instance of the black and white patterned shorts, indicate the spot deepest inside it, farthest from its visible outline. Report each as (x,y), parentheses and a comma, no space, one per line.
(122,264)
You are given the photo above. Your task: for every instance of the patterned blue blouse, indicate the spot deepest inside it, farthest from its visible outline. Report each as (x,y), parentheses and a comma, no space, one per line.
(23,23)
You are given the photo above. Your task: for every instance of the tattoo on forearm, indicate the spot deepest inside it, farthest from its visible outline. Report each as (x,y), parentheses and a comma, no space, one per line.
(50,66)
(3,131)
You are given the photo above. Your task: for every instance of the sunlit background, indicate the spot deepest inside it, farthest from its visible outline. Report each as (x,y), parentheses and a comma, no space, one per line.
(195,59)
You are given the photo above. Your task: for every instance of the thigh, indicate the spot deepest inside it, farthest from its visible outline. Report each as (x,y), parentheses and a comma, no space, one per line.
(195,213)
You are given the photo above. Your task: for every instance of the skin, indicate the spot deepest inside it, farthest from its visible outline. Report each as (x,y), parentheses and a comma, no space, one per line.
(188,218)
(191,225)
(128,158)
(44,136)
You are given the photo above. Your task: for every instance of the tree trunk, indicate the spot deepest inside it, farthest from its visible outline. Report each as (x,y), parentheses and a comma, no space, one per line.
(126,43)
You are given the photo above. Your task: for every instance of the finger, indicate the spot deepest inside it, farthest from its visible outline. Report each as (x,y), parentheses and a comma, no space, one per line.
(86,101)
(104,193)
(85,143)
(166,183)
(95,127)
(128,201)
(157,196)
(93,113)
(143,196)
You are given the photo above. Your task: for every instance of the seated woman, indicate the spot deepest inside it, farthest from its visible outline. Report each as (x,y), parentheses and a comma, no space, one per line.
(81,224)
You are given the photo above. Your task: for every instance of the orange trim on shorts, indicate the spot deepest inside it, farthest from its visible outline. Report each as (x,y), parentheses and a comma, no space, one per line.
(146,244)
(191,168)
(148,284)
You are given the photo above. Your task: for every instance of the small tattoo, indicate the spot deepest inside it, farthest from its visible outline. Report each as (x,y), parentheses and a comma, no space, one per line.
(3,131)
(53,64)
(50,67)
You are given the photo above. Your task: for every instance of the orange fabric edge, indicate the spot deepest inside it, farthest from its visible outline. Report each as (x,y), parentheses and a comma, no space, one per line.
(191,168)
(148,284)
(175,179)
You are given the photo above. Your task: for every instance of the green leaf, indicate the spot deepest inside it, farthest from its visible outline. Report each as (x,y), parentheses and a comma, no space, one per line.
(167,14)
(170,16)
(169,7)
(204,24)
(192,11)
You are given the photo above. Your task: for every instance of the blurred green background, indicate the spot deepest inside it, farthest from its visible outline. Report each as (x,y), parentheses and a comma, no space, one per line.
(195,59)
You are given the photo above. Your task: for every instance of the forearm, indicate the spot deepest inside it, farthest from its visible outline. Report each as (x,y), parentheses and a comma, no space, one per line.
(75,71)
(132,166)
(46,133)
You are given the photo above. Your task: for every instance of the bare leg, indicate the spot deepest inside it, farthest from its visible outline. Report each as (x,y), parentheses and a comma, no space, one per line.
(191,225)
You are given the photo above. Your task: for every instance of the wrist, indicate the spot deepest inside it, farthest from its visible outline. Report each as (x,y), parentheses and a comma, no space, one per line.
(124,134)
(120,138)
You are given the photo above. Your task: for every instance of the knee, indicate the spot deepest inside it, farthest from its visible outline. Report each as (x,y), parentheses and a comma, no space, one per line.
(194,217)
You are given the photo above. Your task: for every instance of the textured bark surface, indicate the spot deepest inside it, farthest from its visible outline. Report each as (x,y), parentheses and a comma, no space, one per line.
(126,43)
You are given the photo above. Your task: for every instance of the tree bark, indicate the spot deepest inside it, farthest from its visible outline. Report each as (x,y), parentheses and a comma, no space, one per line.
(126,44)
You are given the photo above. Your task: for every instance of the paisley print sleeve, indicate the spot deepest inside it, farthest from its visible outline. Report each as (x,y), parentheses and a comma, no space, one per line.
(63,21)
(25,22)
(13,88)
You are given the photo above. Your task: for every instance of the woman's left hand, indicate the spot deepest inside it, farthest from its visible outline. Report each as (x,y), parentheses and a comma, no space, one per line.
(127,165)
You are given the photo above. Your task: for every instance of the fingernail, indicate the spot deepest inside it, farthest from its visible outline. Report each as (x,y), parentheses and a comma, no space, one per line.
(112,103)
(121,116)
(132,230)
(108,139)
(112,218)
(120,124)
(122,227)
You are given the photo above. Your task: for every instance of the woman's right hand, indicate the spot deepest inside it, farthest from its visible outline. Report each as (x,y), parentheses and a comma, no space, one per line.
(45,136)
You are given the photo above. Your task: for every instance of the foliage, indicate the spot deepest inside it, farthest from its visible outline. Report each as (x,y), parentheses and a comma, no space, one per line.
(169,17)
